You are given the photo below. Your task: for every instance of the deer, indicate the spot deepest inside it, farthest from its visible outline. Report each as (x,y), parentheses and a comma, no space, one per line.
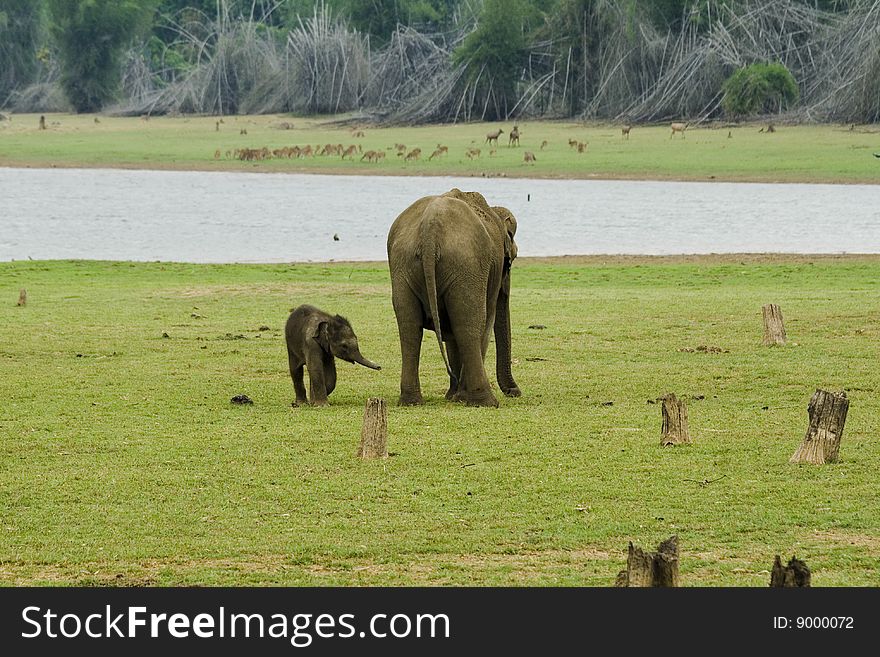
(414,154)
(678,127)
(528,156)
(544,144)
(573,143)
(513,139)
(493,136)
(624,131)
(472,153)
(350,151)
(582,146)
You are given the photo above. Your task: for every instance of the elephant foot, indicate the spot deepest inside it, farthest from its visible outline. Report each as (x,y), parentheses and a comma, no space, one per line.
(512,392)
(300,402)
(410,400)
(451,394)
(320,402)
(487,399)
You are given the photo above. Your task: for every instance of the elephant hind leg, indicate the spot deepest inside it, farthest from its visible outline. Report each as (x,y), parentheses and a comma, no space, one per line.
(408,310)
(296,373)
(468,326)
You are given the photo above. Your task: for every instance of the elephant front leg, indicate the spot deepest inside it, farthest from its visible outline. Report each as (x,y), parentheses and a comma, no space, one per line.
(455,365)
(408,310)
(503,345)
(317,385)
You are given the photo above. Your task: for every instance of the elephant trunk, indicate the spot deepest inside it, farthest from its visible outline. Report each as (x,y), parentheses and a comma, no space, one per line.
(366,363)
(502,343)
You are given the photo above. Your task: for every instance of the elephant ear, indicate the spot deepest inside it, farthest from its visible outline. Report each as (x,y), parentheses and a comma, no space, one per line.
(322,336)
(509,224)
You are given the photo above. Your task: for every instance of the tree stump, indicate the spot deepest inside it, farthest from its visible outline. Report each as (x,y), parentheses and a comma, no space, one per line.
(827,416)
(374,434)
(774,329)
(794,574)
(675,421)
(647,569)
(22,297)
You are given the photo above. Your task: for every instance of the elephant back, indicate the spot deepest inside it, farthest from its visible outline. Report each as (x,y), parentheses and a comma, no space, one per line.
(475,201)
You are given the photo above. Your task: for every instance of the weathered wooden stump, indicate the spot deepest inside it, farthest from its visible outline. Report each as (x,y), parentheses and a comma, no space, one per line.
(827,416)
(658,568)
(374,433)
(794,574)
(675,421)
(22,297)
(774,328)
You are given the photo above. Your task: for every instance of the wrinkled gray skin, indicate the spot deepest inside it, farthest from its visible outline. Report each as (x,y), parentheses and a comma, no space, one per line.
(314,340)
(450,260)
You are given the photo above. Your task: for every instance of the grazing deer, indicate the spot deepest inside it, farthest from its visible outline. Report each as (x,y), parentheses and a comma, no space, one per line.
(472,153)
(380,155)
(436,153)
(493,136)
(624,131)
(513,139)
(414,154)
(582,146)
(544,144)
(217,154)
(350,151)
(528,156)
(492,153)
(368,156)
(573,143)
(678,127)
(401,149)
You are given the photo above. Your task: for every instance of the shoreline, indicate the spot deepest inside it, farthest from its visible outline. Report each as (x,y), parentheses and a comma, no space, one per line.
(609,259)
(257,169)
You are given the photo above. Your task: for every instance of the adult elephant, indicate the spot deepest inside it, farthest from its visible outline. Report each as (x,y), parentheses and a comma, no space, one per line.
(450,258)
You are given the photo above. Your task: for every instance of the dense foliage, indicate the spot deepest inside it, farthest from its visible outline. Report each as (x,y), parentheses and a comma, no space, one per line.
(446,60)
(90,36)
(759,88)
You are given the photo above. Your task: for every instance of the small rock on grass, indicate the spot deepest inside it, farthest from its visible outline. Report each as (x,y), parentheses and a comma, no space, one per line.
(241,399)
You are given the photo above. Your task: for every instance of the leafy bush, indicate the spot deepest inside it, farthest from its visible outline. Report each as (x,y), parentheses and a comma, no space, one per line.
(759,89)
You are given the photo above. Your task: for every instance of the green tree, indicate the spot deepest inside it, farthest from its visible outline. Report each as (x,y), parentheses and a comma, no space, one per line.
(90,36)
(493,56)
(759,89)
(22,25)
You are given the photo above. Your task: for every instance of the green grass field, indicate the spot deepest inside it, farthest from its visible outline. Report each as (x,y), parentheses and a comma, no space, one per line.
(123,461)
(815,153)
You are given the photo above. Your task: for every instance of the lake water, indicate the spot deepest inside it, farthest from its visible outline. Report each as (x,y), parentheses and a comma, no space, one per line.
(244,217)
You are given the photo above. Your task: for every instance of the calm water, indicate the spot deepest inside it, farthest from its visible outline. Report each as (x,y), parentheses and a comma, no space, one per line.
(240,217)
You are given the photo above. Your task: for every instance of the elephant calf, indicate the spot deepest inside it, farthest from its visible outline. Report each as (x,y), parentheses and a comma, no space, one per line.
(314,340)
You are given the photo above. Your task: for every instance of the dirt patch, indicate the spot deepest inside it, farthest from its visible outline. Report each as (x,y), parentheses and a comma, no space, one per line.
(292,291)
(708,259)
(870,543)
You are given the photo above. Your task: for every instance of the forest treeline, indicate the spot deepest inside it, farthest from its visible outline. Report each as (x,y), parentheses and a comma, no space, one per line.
(419,61)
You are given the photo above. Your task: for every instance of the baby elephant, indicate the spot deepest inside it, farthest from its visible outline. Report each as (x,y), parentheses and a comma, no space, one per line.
(314,340)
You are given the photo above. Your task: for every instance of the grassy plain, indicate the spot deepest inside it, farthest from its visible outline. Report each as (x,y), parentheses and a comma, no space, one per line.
(814,153)
(123,462)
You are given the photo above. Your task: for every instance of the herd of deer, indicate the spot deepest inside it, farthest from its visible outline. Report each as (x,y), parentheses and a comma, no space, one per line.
(411,154)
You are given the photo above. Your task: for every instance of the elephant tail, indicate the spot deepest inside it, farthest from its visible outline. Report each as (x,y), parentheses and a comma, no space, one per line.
(429,262)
